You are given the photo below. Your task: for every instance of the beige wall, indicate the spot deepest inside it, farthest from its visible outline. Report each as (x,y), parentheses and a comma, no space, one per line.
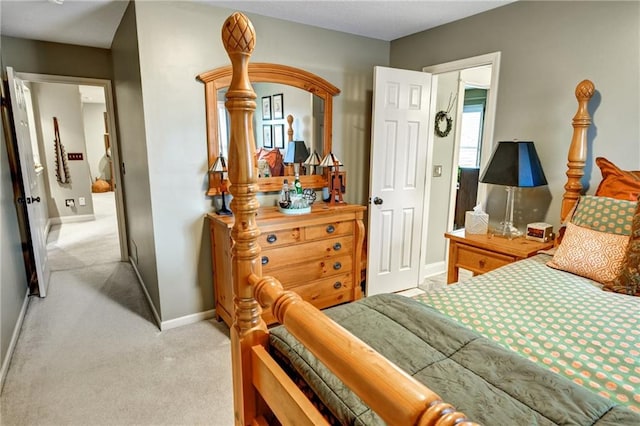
(133,153)
(63,102)
(13,278)
(43,57)
(179,40)
(547,48)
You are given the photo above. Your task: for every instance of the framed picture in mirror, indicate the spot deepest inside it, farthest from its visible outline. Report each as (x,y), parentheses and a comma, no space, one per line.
(278,135)
(266,108)
(267,139)
(278,109)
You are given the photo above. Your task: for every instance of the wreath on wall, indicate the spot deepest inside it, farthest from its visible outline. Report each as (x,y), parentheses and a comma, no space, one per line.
(442,118)
(444,122)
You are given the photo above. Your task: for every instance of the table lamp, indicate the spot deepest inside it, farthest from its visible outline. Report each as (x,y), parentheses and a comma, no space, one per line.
(297,153)
(220,166)
(513,164)
(314,161)
(332,162)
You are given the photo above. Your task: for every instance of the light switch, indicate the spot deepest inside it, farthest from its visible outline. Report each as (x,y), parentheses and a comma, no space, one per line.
(82,201)
(437,171)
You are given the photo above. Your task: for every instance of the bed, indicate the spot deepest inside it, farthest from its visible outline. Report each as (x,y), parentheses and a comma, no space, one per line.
(488,380)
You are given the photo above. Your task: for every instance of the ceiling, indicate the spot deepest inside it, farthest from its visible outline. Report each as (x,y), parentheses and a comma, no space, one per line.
(94,22)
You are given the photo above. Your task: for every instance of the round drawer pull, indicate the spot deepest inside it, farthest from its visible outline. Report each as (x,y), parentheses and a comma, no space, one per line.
(337,246)
(337,285)
(331,229)
(337,266)
(482,263)
(265,260)
(272,238)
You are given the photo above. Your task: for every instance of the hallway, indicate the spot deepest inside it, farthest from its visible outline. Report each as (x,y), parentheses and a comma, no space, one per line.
(90,353)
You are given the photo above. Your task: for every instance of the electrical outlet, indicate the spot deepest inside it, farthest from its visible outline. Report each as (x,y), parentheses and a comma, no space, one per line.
(69,202)
(82,201)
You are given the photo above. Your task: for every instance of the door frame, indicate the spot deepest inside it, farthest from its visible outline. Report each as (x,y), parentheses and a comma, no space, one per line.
(113,139)
(492,59)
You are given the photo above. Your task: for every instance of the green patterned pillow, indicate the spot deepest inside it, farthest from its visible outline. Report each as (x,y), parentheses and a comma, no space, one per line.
(605,214)
(628,279)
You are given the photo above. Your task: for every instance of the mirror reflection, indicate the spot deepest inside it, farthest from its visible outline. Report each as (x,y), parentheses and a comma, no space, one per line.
(282,91)
(276,105)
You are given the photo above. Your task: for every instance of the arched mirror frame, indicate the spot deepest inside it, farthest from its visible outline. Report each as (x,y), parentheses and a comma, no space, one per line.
(219,78)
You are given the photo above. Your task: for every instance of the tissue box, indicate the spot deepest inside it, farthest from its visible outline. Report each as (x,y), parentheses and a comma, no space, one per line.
(476,223)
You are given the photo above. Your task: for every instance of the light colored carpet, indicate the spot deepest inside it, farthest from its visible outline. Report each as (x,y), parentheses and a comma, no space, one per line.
(90,354)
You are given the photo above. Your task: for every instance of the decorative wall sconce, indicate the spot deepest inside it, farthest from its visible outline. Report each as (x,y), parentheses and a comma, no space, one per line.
(220,166)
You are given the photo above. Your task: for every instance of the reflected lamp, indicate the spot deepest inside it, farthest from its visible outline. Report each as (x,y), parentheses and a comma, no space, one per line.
(514,164)
(297,153)
(331,161)
(314,161)
(220,166)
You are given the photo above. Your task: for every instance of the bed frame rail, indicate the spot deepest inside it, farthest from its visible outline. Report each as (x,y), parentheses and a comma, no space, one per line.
(391,393)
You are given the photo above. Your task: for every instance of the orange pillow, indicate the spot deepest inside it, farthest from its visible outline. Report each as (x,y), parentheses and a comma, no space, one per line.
(617,183)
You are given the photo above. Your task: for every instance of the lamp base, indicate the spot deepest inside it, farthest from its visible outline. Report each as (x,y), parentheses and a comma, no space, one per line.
(224,211)
(507,230)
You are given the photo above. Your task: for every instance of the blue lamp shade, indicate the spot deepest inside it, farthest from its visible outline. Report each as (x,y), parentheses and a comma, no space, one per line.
(297,152)
(514,163)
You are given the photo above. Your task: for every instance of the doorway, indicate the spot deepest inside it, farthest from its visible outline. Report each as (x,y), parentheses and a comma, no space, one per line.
(94,159)
(451,81)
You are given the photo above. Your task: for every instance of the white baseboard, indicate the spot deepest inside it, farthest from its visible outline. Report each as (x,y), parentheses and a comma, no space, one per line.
(176,322)
(14,339)
(188,319)
(146,294)
(432,269)
(71,219)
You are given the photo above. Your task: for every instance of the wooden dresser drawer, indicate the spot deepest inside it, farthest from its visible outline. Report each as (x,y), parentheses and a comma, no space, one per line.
(327,292)
(290,275)
(480,261)
(280,238)
(305,252)
(327,230)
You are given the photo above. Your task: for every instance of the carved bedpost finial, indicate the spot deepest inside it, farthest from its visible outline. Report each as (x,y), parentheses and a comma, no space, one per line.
(578,150)
(238,35)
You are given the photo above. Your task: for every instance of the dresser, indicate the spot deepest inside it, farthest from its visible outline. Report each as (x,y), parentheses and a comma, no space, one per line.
(317,255)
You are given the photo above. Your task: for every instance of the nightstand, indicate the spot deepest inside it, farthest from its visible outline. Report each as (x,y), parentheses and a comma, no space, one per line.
(480,253)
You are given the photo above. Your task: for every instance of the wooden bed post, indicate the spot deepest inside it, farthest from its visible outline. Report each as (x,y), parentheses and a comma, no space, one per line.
(238,37)
(578,149)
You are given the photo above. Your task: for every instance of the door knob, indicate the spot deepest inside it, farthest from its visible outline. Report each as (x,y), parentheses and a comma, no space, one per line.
(377,201)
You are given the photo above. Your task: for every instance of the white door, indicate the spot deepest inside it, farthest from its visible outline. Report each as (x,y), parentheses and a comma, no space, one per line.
(34,195)
(401,102)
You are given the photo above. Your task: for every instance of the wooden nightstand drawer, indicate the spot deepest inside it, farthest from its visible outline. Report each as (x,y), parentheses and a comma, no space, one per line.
(480,261)
(482,253)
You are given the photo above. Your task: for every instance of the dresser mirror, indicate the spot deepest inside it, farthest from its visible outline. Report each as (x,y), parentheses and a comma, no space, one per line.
(301,94)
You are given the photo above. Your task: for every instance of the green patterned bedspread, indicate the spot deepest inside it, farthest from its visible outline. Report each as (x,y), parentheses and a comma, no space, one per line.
(556,319)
